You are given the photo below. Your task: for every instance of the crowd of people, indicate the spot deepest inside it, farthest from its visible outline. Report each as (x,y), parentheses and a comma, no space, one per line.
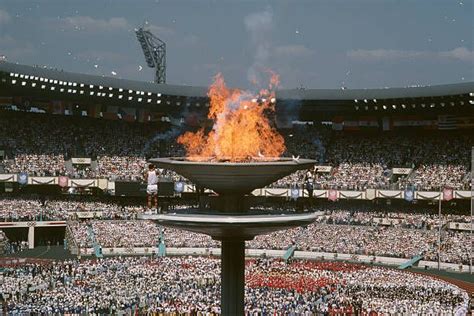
(386,241)
(191,286)
(115,234)
(39,208)
(119,150)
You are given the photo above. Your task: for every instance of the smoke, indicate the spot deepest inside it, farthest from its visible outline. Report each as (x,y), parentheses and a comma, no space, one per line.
(167,136)
(259,25)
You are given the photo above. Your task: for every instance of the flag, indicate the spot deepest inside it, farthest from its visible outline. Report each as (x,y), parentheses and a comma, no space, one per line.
(332,195)
(409,194)
(22,178)
(63,181)
(447,194)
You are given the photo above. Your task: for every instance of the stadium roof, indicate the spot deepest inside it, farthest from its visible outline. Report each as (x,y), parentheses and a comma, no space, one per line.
(199,92)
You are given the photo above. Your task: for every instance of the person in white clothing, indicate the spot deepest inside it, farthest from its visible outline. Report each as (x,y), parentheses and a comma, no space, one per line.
(151,178)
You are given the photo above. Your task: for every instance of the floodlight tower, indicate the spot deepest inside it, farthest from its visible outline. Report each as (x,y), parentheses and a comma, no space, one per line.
(154,50)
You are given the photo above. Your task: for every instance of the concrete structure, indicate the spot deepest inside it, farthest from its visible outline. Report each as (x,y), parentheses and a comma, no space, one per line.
(31,228)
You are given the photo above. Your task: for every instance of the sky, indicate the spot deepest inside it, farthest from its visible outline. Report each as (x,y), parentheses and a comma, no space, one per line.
(311,44)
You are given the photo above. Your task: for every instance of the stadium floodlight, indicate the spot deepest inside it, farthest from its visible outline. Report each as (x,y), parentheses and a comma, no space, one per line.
(137,92)
(365,100)
(16,75)
(91,93)
(23,83)
(110,88)
(461,102)
(272,100)
(471,101)
(376,107)
(130,98)
(11,74)
(158,101)
(432,105)
(74,84)
(471,94)
(111,95)
(442,104)
(27,77)
(384,107)
(355,100)
(149,93)
(139,99)
(120,96)
(394,106)
(356,107)
(33,84)
(100,87)
(53,88)
(120,90)
(61,90)
(149,100)
(423,105)
(43,86)
(81,92)
(142,92)
(13,81)
(81,85)
(154,50)
(159,95)
(23,76)
(91,86)
(69,84)
(130,91)
(451,103)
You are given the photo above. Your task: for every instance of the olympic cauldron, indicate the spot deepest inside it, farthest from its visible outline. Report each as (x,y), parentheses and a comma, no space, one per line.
(229,219)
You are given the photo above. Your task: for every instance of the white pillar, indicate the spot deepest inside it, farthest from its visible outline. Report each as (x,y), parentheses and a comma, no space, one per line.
(31,237)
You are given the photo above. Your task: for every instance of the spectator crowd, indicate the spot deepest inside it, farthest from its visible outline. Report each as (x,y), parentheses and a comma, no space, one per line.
(191,286)
(119,150)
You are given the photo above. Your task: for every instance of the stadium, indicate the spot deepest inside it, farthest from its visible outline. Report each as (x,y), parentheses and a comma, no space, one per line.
(129,197)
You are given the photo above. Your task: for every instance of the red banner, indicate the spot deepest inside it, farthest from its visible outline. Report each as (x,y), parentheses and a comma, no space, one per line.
(332,195)
(63,180)
(448,194)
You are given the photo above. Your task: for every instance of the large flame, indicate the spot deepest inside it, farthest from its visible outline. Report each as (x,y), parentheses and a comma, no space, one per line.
(241,130)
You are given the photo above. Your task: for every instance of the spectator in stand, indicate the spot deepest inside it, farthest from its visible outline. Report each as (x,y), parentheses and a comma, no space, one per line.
(191,286)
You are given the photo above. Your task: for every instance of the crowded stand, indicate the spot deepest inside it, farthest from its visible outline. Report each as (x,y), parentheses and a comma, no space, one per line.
(35,208)
(119,151)
(319,237)
(191,286)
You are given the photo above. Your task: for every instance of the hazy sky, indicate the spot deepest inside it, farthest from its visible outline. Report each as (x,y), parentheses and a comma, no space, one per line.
(315,44)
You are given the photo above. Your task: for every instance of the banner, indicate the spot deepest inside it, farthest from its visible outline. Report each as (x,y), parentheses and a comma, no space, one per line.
(43,180)
(7,177)
(324,169)
(332,195)
(401,170)
(179,187)
(295,193)
(447,194)
(63,181)
(81,161)
(409,195)
(23,178)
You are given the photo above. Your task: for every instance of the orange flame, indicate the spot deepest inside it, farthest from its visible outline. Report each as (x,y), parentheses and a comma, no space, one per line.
(241,130)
